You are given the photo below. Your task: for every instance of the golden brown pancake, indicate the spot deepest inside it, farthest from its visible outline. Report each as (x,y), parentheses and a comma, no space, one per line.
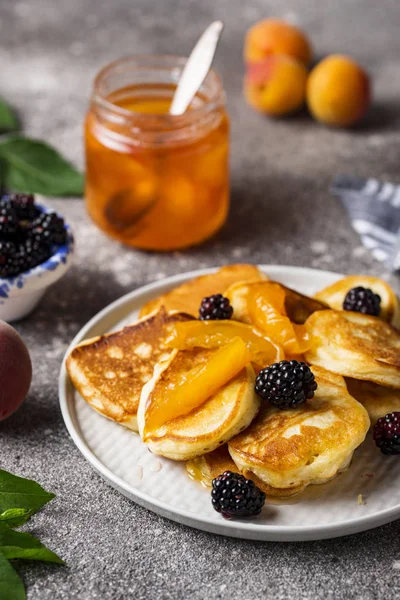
(335,294)
(212,424)
(109,371)
(205,468)
(290,449)
(188,296)
(298,307)
(355,345)
(378,400)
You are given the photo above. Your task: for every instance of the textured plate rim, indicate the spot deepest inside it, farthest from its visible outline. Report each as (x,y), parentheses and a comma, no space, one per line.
(239,529)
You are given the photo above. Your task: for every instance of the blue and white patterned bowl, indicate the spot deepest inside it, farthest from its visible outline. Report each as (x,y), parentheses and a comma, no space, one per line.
(20,294)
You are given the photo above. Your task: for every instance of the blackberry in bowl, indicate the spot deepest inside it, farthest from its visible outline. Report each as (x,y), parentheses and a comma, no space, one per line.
(36,247)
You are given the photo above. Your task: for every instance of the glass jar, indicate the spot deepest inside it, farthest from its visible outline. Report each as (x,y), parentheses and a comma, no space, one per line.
(156,181)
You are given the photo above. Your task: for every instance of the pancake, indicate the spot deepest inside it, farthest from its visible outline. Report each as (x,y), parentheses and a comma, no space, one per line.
(205,468)
(355,345)
(378,400)
(188,296)
(290,449)
(334,295)
(297,306)
(208,426)
(109,371)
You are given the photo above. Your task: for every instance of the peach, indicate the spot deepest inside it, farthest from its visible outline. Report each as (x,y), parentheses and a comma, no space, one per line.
(276,86)
(338,91)
(273,36)
(15,370)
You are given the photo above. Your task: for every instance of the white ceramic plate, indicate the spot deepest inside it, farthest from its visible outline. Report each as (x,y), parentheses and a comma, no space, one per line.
(161,485)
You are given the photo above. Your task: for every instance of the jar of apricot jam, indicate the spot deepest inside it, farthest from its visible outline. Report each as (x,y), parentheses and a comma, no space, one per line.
(156,181)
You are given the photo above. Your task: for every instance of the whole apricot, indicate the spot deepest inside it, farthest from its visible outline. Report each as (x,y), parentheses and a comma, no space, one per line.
(338,91)
(273,36)
(15,370)
(276,86)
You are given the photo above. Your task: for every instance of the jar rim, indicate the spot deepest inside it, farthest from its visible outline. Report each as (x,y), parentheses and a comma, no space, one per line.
(161,61)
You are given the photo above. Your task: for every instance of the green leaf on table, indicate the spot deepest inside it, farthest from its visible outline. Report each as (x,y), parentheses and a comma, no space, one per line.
(17,492)
(35,167)
(15,517)
(15,544)
(8,119)
(11,586)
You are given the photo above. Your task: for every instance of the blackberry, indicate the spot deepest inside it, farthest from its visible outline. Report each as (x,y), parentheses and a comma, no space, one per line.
(286,384)
(9,222)
(233,495)
(24,205)
(362,300)
(387,433)
(7,254)
(49,228)
(214,308)
(30,255)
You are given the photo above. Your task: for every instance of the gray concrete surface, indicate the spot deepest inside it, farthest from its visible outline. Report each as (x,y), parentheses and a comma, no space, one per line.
(281,213)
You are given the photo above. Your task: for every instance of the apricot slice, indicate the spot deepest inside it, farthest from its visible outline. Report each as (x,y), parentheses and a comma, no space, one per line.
(198,384)
(338,91)
(266,305)
(276,86)
(273,36)
(214,334)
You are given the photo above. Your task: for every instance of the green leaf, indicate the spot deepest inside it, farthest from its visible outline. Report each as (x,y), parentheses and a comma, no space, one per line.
(15,517)
(11,586)
(35,167)
(15,544)
(8,119)
(16,492)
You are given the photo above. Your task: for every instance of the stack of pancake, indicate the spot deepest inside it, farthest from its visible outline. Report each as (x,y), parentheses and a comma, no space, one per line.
(355,358)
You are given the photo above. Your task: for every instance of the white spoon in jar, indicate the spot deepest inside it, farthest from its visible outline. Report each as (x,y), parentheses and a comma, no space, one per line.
(197,66)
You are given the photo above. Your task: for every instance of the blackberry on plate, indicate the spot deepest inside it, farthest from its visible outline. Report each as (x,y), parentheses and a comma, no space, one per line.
(7,253)
(387,433)
(362,300)
(24,205)
(286,384)
(233,495)
(9,222)
(214,308)
(49,228)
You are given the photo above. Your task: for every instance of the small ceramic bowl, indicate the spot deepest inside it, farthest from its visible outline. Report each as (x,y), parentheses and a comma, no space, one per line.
(20,294)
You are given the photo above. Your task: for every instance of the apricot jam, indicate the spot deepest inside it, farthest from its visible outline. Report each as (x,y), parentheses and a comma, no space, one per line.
(156,181)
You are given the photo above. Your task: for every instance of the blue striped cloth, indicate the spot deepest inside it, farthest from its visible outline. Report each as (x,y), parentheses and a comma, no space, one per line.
(374,209)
